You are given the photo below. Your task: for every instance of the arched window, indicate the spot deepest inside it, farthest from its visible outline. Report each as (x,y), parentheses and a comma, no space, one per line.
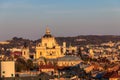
(24,52)
(40,53)
(46,44)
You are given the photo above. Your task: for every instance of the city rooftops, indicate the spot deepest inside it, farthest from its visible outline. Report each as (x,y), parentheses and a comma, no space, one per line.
(69,58)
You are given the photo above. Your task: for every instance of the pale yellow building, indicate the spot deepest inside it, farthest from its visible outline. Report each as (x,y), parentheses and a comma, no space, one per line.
(7,69)
(25,52)
(72,49)
(4,42)
(91,52)
(49,51)
(49,48)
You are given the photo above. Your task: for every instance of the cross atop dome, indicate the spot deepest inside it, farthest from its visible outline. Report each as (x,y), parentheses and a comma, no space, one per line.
(47,33)
(47,30)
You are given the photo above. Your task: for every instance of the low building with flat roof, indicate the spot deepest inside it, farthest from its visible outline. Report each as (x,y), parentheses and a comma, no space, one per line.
(7,69)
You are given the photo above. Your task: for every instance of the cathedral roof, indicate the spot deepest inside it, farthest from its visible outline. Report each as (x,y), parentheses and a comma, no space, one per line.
(47,36)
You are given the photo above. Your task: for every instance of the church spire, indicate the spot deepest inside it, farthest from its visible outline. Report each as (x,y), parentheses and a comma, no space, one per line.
(47,30)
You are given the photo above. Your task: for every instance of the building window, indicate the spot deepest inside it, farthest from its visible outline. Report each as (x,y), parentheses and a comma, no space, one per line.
(11,75)
(40,53)
(3,71)
(46,44)
(24,52)
(50,54)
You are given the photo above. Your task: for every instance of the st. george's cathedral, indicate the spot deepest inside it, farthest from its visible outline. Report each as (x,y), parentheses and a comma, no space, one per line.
(50,50)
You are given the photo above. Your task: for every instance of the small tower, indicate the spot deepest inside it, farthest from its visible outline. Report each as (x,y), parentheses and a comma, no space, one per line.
(64,47)
(25,51)
(47,31)
(91,53)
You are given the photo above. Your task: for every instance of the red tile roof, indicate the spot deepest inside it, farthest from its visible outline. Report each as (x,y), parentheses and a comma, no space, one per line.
(46,67)
(107,75)
(115,75)
(17,53)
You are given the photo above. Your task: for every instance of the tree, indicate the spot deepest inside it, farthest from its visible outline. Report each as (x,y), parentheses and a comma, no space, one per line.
(29,64)
(79,53)
(20,65)
(45,60)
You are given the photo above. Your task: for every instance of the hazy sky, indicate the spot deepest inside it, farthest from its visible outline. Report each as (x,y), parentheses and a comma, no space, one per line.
(28,18)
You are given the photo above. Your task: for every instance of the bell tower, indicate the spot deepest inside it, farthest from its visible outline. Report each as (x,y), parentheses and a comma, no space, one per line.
(48,47)
(25,51)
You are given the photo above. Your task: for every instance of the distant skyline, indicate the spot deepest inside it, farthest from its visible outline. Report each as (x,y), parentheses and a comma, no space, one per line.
(29,18)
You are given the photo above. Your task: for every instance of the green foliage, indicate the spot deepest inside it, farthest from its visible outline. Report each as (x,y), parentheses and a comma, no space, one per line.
(22,65)
(29,64)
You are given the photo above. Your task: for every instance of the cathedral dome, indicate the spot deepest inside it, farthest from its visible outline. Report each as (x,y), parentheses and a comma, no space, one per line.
(47,34)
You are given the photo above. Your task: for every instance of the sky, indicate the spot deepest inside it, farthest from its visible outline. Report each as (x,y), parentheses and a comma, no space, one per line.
(29,18)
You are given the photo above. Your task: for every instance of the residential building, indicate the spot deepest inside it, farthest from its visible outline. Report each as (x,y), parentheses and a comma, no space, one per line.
(7,69)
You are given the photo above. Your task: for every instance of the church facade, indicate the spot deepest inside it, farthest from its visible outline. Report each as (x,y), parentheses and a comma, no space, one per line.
(49,48)
(49,52)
